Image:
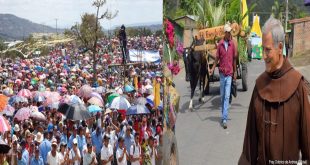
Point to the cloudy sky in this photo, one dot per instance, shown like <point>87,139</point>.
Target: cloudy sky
<point>69,11</point>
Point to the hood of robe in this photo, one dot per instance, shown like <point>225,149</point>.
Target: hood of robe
<point>279,85</point>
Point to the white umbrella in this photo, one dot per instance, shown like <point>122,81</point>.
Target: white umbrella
<point>120,103</point>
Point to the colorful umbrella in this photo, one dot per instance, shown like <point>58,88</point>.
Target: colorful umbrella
<point>34,109</point>
<point>39,98</point>
<point>9,110</point>
<point>94,109</point>
<point>141,101</point>
<point>75,99</point>
<point>137,110</point>
<point>33,81</point>
<point>119,90</point>
<point>97,95</point>
<point>23,114</point>
<point>95,101</point>
<point>4,125</point>
<point>54,105</point>
<point>41,88</point>
<point>129,88</point>
<point>74,111</point>
<point>25,93</point>
<point>150,100</point>
<point>3,102</point>
<point>17,99</point>
<point>8,91</point>
<point>100,90</point>
<point>120,103</point>
<point>85,91</point>
<point>38,116</point>
<point>112,96</point>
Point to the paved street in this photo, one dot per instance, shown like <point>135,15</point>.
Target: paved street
<point>200,137</point>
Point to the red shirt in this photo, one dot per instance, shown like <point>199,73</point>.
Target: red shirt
<point>226,57</point>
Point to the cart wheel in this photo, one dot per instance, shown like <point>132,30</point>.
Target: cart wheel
<point>244,77</point>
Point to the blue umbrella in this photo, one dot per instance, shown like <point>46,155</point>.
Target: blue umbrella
<point>39,98</point>
<point>129,88</point>
<point>17,99</point>
<point>137,110</point>
<point>149,101</point>
<point>94,109</point>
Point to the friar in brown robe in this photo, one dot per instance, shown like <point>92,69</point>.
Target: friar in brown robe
<point>278,122</point>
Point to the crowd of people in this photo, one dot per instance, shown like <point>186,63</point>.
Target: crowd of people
<point>34,90</point>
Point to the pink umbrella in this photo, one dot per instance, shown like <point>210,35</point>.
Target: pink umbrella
<point>97,95</point>
<point>85,91</point>
<point>4,124</point>
<point>9,110</point>
<point>51,97</point>
<point>38,116</point>
<point>25,93</point>
<point>18,81</point>
<point>23,114</point>
<point>34,109</point>
<point>95,101</point>
<point>47,94</point>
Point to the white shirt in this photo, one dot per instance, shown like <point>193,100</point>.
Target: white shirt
<point>51,160</point>
<point>106,152</point>
<point>72,155</point>
<point>61,157</point>
<point>113,137</point>
<point>135,151</point>
<point>119,153</point>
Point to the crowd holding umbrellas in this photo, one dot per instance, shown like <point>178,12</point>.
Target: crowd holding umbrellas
<point>56,100</point>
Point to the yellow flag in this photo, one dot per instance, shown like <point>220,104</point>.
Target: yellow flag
<point>157,94</point>
<point>154,89</point>
<point>256,27</point>
<point>245,21</point>
<point>135,81</point>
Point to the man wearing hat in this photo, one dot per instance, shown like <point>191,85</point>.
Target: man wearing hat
<point>16,132</point>
<point>106,151</point>
<point>226,56</point>
<point>74,153</point>
<point>53,156</point>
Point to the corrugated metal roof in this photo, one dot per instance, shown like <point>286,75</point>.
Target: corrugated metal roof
<point>305,19</point>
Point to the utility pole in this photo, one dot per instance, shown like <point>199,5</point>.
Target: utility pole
<point>225,10</point>
<point>286,16</point>
<point>56,26</point>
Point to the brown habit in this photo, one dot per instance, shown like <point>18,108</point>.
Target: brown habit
<point>278,122</point>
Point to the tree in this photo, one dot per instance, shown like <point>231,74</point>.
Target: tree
<point>209,14</point>
<point>189,6</point>
<point>68,33</point>
<point>277,9</point>
<point>158,33</point>
<point>89,31</point>
<point>3,46</point>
